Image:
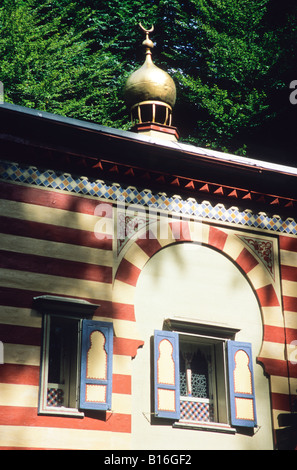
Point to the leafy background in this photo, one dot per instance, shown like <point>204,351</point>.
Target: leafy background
<point>232,62</point>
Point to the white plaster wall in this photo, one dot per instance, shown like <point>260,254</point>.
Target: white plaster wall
<point>195,282</point>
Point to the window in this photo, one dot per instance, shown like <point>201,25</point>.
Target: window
<point>202,377</point>
<point>200,380</point>
<point>61,362</point>
<point>76,365</point>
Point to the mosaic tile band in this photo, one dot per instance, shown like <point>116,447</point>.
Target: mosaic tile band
<point>130,195</point>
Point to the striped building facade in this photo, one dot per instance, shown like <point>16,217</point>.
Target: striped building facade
<point>48,246</point>
<point>90,237</point>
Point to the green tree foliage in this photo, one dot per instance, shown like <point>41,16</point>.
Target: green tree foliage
<point>47,61</point>
<point>220,56</point>
<point>231,61</point>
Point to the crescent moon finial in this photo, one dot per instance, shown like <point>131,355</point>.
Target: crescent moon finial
<point>148,43</point>
<point>146,31</point>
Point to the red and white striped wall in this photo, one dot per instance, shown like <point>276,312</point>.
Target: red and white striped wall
<point>48,246</point>
<point>277,296</point>
<point>288,265</point>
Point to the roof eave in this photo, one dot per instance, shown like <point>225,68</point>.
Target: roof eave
<point>84,139</point>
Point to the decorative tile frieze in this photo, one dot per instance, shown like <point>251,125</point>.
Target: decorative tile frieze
<point>14,172</point>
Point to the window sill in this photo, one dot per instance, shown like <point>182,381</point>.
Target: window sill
<point>205,426</point>
<point>61,411</point>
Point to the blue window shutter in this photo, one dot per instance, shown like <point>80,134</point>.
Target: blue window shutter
<point>96,365</point>
<point>166,375</point>
<point>241,384</point>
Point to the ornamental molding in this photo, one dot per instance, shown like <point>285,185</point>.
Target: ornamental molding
<point>263,248</point>
<point>180,206</point>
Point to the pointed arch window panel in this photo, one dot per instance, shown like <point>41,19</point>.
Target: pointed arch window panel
<point>96,365</point>
<point>191,373</point>
<point>241,384</point>
<point>166,374</point>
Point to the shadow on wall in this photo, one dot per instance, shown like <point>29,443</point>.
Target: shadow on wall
<point>286,436</point>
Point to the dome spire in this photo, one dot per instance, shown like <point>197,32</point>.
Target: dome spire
<point>150,94</point>
<point>148,43</point>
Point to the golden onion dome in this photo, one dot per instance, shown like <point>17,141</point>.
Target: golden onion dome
<point>149,82</point>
